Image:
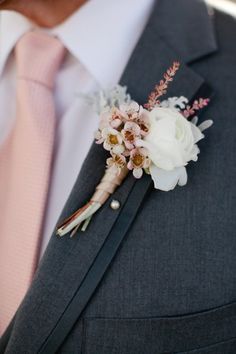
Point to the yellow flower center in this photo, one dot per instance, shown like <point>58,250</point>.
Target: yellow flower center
<point>138,160</point>
<point>144,127</point>
<point>118,161</point>
<point>115,116</point>
<point>113,140</point>
<point>129,136</point>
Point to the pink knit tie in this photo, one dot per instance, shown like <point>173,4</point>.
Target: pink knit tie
<point>25,162</point>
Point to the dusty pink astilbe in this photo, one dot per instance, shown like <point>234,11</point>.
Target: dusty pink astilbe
<point>161,88</point>
<point>197,105</point>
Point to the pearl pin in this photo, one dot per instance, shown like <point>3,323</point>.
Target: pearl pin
<point>115,204</point>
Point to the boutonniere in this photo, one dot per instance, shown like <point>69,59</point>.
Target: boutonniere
<point>159,138</point>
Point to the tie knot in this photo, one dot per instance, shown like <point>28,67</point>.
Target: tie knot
<point>38,57</point>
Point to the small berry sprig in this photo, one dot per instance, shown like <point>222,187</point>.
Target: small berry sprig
<point>161,88</point>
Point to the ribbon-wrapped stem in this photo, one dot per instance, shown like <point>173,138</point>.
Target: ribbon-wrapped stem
<point>108,184</point>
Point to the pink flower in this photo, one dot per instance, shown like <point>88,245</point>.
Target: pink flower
<point>130,111</point>
<point>130,134</point>
<point>117,162</point>
<point>116,118</point>
<point>112,140</point>
<point>138,160</point>
<point>134,113</point>
<point>112,118</point>
<point>144,122</point>
<point>98,137</point>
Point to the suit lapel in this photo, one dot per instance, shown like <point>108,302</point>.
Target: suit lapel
<point>66,261</point>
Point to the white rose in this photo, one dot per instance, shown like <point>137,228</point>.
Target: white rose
<point>171,144</point>
<point>172,139</point>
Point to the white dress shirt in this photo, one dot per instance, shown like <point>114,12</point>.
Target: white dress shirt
<point>100,38</point>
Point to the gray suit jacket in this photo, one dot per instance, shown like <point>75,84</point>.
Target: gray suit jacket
<point>171,287</point>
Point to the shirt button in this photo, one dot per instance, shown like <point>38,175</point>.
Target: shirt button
<point>115,204</point>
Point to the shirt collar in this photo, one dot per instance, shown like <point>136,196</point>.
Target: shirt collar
<point>101,35</point>
<point>12,27</point>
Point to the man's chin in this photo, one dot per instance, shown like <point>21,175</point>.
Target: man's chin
<point>3,2</point>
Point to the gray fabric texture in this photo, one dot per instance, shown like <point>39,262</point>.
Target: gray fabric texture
<point>172,285</point>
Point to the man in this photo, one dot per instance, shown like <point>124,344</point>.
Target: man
<point>169,286</point>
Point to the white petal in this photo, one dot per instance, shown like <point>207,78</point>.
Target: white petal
<point>118,149</point>
<point>167,180</point>
<point>205,125</point>
<point>137,172</point>
<point>141,143</point>
<point>195,120</point>
<point>197,134</point>
<point>134,106</point>
<point>106,146</point>
<point>183,177</point>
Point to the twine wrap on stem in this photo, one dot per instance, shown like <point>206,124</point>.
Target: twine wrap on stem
<point>104,189</point>
<point>108,184</point>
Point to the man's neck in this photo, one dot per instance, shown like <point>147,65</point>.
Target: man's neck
<point>47,13</point>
